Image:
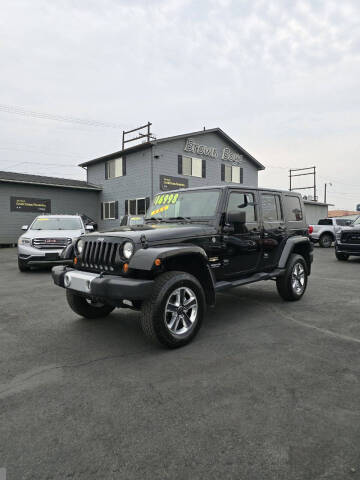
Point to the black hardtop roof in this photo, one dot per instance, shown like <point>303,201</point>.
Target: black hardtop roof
<point>238,187</point>
<point>145,145</point>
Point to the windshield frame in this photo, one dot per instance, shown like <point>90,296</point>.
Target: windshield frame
<point>356,221</point>
<point>207,219</point>
<point>81,223</point>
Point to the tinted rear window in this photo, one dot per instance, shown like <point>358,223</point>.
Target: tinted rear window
<point>325,221</point>
<point>294,212</point>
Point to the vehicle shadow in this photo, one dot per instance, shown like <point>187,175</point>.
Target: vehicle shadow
<point>121,331</point>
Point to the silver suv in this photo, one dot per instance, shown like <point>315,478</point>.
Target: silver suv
<point>47,236</point>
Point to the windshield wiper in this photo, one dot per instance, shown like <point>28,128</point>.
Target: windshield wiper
<point>183,219</point>
<point>158,220</point>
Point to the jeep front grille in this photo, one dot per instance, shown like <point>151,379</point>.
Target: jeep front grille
<point>350,237</point>
<point>51,243</point>
<point>100,255</point>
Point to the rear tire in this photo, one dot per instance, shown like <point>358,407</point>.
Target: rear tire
<point>86,308</point>
<point>326,240</point>
<point>342,256</point>
<point>292,284</point>
<point>22,266</point>
<point>173,314</point>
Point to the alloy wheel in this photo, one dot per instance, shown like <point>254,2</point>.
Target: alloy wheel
<point>298,278</point>
<point>181,311</point>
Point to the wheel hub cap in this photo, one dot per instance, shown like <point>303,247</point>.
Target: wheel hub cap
<point>181,311</point>
<point>298,278</point>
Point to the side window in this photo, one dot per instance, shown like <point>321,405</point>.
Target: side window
<point>242,201</point>
<point>271,207</point>
<point>341,221</point>
<point>294,212</point>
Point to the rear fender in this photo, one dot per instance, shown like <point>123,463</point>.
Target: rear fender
<point>300,245</point>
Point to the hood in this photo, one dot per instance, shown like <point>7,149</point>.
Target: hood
<point>155,232</point>
<point>52,233</point>
<point>350,228</point>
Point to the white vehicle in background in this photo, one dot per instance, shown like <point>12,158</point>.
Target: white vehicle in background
<point>324,232</point>
<point>47,236</point>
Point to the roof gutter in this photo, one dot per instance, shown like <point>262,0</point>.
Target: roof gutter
<point>5,180</point>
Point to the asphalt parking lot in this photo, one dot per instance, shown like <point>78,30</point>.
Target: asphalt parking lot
<point>268,390</point>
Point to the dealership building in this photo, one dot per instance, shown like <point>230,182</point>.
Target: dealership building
<point>123,182</point>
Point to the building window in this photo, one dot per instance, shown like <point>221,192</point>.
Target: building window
<point>192,167</point>
<point>109,210</point>
<point>232,174</point>
<point>115,168</point>
<point>138,206</point>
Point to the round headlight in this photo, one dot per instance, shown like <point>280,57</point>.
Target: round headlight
<point>128,249</point>
<point>80,246</point>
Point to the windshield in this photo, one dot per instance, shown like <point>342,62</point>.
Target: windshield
<point>200,204</point>
<point>56,223</point>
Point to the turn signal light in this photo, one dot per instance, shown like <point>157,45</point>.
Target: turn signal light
<point>75,260</point>
<point>157,262</point>
<point>125,267</point>
<point>310,229</point>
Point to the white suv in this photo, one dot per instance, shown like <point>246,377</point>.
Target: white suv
<point>47,236</point>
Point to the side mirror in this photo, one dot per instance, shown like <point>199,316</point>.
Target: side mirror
<point>25,227</point>
<point>348,223</point>
<point>89,228</point>
<point>236,217</point>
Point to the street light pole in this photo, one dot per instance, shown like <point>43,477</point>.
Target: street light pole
<point>325,191</point>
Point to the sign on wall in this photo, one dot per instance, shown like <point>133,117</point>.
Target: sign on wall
<point>172,183</point>
<point>226,153</point>
<point>26,204</point>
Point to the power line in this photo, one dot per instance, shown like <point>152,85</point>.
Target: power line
<point>12,109</point>
<point>41,152</point>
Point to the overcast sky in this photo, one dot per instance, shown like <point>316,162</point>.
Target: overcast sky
<point>280,77</point>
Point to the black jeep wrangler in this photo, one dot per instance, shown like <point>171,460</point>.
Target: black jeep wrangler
<point>193,244</point>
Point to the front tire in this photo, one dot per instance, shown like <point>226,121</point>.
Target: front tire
<point>292,284</point>
<point>326,240</point>
<point>87,308</point>
<point>173,314</point>
<point>342,256</point>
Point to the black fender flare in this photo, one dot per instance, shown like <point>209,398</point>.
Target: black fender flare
<point>144,258</point>
<point>290,246</point>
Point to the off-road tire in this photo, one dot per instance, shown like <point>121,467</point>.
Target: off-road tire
<point>342,256</point>
<point>84,308</point>
<point>284,283</point>
<point>153,310</point>
<point>22,266</point>
<point>326,240</point>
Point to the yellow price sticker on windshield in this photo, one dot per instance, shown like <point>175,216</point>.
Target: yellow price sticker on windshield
<point>42,219</point>
<point>159,210</point>
<point>166,199</point>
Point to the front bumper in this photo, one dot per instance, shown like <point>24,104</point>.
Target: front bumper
<point>110,288</point>
<point>35,256</point>
<point>348,249</point>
